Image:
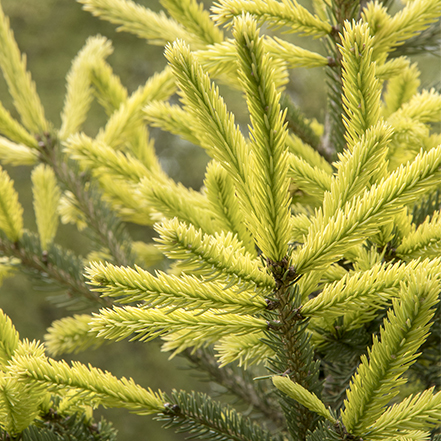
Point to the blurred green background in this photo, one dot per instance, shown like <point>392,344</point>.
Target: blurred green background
<point>51,32</point>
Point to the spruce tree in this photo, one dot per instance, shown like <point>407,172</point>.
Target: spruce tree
<point>304,277</point>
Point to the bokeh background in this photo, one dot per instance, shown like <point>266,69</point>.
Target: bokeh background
<point>51,32</point>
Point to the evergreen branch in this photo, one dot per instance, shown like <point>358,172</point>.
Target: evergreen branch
<point>401,89</point>
<point>424,242</point>
<point>417,412</point>
<point>203,418</point>
<point>392,68</point>
<point>171,118</point>
<point>293,356</point>
<point>358,290</point>
<point>94,385</point>
<point>46,199</point>
<point>361,89</point>
<point>16,154</point>
<point>107,86</point>
<point>221,194</point>
<point>8,339</point>
<point>220,58</point>
<point>362,215</point>
<point>11,211</point>
<point>214,125</point>
<point>221,255</point>
<point>293,55</point>
<point>358,168</point>
<point>414,18</point>
<point>166,290</point>
<point>424,107</point>
<point>303,396</point>
<point>171,200</point>
<point>195,19</point>
<point>106,227</point>
<point>131,17</point>
<point>19,81</point>
<point>287,13</point>
<point>129,115</point>
<point>270,218</point>
<point>403,333</point>
<point>246,349</point>
<point>14,130</point>
<point>58,265</point>
<point>20,403</point>
<point>79,93</point>
<point>71,335</point>
<point>101,159</point>
<point>238,382</point>
<point>181,329</point>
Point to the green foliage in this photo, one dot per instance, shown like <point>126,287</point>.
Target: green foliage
<point>304,276</point>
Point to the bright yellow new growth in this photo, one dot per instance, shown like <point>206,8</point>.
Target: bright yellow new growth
<point>424,242</point>
<point>303,396</point>
<point>219,254</point>
<point>11,212</point>
<point>46,200</point>
<point>21,87</point>
<point>285,13</point>
<point>363,215</point>
<point>421,411</point>
<point>131,17</point>
<point>195,19</point>
<point>246,349</point>
<point>129,115</point>
<point>188,328</point>
<point>8,339</point>
<point>381,373</point>
<point>221,194</point>
<point>108,88</point>
<point>171,118</point>
<point>16,154</point>
<point>13,130</point>
<point>361,89</point>
<point>213,124</point>
<point>414,18</point>
<point>79,92</point>
<point>358,290</point>
<point>137,285</point>
<point>95,386</point>
<point>270,218</point>
<point>401,88</point>
<point>71,335</point>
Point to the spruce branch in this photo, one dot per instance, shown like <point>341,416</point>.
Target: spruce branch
<point>54,264</point>
<point>128,285</point>
<point>107,228</point>
<point>270,217</point>
<point>198,414</point>
<point>20,85</point>
<point>131,17</point>
<point>195,19</point>
<point>79,93</point>
<point>287,13</point>
<point>95,386</point>
<point>220,256</point>
<point>403,333</point>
